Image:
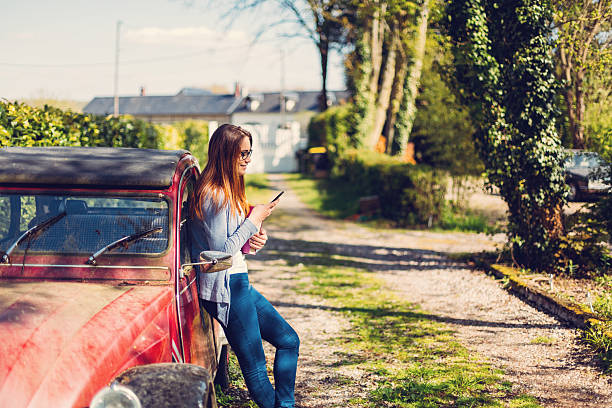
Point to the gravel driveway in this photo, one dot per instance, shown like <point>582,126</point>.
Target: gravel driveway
<point>539,355</point>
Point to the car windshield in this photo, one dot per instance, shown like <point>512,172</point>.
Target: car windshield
<point>90,223</point>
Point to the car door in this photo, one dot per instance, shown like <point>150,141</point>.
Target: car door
<point>197,332</point>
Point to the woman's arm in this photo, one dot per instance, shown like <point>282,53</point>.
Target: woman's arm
<point>216,224</point>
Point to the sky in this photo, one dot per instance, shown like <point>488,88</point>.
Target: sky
<point>65,49</point>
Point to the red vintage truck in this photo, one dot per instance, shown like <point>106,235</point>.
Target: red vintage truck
<point>98,292</point>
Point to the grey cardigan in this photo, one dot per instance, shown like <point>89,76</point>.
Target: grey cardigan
<point>218,231</point>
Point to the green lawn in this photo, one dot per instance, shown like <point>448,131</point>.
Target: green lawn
<point>339,200</point>
<point>332,199</point>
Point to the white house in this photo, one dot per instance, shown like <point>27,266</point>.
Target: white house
<point>279,130</point>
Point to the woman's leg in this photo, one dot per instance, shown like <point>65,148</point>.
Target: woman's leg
<point>252,318</point>
<point>276,331</point>
<point>243,335</point>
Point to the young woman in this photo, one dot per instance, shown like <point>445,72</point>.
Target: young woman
<point>220,223</point>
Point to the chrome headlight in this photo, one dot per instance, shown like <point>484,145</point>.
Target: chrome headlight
<point>115,396</point>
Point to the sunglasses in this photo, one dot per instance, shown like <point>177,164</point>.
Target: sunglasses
<point>245,154</point>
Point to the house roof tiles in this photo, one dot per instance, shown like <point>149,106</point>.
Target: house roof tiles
<point>164,105</point>
<point>208,104</point>
<point>306,101</point>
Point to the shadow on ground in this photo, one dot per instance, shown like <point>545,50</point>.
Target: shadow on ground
<point>419,316</point>
<point>368,257</point>
<point>373,258</point>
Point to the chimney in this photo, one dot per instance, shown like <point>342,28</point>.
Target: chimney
<point>142,91</point>
<point>237,90</point>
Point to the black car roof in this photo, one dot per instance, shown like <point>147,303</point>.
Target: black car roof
<point>88,166</point>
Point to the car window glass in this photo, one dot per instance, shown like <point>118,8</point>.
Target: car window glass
<point>5,216</point>
<point>90,223</point>
<point>28,211</point>
<point>595,161</point>
<point>585,160</point>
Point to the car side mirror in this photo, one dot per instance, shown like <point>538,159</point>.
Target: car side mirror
<point>210,262</point>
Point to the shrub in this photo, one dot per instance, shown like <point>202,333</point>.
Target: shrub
<point>443,129</point>
<point>409,194</point>
<point>191,135</point>
<point>582,251</point>
<point>194,137</point>
<point>23,125</point>
<point>330,129</point>
<point>602,209</point>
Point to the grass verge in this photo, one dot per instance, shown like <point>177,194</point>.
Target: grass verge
<point>236,396</point>
<point>413,360</point>
<point>329,198</point>
<point>467,220</point>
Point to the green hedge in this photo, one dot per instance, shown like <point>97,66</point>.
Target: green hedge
<point>409,194</point>
<point>189,134</point>
<point>330,129</point>
<point>23,125</point>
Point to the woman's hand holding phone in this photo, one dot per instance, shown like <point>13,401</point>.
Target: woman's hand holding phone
<point>257,215</point>
<point>260,212</point>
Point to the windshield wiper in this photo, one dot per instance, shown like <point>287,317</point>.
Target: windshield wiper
<point>125,242</point>
<point>32,232</point>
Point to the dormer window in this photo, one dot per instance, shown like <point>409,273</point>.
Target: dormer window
<point>253,105</point>
<point>254,101</point>
<point>291,99</point>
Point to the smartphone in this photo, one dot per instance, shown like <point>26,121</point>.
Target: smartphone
<point>277,197</point>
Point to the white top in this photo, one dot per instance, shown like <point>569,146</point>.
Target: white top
<point>239,264</point>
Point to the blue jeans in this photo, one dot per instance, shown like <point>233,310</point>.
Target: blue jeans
<point>251,319</point>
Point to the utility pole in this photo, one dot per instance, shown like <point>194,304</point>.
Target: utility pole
<point>282,86</point>
<point>116,86</point>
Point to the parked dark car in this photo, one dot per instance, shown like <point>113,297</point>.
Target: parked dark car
<point>586,174</point>
<point>96,282</point>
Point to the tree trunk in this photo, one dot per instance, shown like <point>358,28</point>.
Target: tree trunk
<point>376,36</point>
<point>569,94</point>
<point>571,113</point>
<point>376,47</point>
<point>382,102</point>
<point>397,94</point>
<point>414,77</point>
<point>324,52</point>
<point>578,135</point>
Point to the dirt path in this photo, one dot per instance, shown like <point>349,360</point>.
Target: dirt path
<point>540,356</point>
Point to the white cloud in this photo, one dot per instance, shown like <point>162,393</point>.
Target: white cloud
<point>186,36</point>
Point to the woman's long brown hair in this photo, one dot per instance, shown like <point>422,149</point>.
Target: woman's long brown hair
<point>220,178</point>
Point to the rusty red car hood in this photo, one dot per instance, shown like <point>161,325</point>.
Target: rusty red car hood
<point>60,342</point>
